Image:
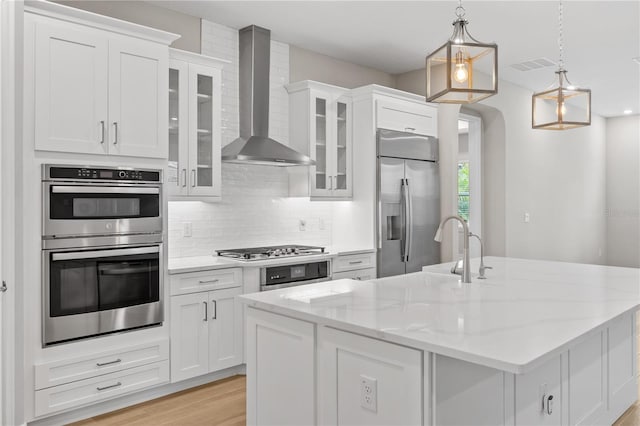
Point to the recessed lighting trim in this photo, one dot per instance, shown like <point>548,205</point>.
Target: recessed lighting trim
<point>627,111</point>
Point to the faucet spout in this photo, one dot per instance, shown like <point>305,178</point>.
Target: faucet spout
<point>466,267</point>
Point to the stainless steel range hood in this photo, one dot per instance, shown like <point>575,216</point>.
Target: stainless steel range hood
<point>254,146</point>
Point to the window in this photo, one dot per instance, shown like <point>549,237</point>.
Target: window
<point>463,190</point>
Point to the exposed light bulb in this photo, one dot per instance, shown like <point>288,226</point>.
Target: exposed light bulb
<point>461,71</point>
<point>561,108</point>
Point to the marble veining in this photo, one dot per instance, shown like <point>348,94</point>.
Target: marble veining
<point>523,313</point>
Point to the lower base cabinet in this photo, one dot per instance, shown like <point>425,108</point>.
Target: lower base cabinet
<point>336,377</point>
<point>206,333</point>
<point>88,391</point>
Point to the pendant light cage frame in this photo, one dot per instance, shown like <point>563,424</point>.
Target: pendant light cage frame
<point>462,51</point>
<point>562,106</point>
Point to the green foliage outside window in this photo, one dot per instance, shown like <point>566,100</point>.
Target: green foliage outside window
<point>463,190</point>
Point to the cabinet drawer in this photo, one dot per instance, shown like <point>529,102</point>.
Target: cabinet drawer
<point>360,274</point>
<point>407,117</point>
<point>93,390</point>
<point>194,282</point>
<point>71,370</point>
<point>354,261</point>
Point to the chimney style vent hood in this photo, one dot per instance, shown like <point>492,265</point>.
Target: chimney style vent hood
<point>254,146</point>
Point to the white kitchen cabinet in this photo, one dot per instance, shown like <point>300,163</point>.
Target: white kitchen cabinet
<point>538,395</point>
<point>284,348</point>
<point>206,333</point>
<point>195,86</point>
<point>189,336</point>
<point>321,127</point>
<point>345,360</point>
<point>71,88</point>
<point>405,116</point>
<point>96,91</point>
<point>137,101</point>
<point>359,274</point>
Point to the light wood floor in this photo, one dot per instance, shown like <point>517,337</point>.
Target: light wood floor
<point>222,404</point>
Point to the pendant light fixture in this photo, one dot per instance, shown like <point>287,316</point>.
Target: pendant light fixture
<point>562,106</point>
<point>453,70</point>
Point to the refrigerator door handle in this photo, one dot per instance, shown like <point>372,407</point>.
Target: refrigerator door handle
<point>409,221</point>
<point>403,206</point>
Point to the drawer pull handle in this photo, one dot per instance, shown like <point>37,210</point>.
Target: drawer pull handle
<point>109,387</point>
<point>215,280</point>
<point>355,262</point>
<point>102,364</point>
<point>215,309</point>
<point>410,129</point>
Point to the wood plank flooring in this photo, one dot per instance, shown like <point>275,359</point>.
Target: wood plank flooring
<point>221,403</point>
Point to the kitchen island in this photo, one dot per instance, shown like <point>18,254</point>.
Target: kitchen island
<point>537,343</point>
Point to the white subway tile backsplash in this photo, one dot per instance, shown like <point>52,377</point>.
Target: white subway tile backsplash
<point>255,208</point>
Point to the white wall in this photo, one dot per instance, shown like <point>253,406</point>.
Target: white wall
<point>308,65</point>
<point>623,191</point>
<point>557,177</point>
<point>255,208</point>
<point>149,15</point>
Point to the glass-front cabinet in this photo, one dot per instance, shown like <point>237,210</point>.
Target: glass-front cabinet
<point>195,85</point>
<point>320,123</point>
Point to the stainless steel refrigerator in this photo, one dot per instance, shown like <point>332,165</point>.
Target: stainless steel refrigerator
<point>408,202</point>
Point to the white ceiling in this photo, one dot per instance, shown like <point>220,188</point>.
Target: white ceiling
<point>601,37</point>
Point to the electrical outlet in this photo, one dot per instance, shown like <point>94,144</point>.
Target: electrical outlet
<point>187,229</point>
<point>527,217</point>
<point>302,225</point>
<point>369,393</point>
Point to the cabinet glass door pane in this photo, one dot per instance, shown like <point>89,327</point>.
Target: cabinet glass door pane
<point>174,124</point>
<point>321,143</point>
<point>341,145</point>
<point>204,156</point>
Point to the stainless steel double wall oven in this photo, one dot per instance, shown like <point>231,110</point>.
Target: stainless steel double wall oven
<point>102,257</point>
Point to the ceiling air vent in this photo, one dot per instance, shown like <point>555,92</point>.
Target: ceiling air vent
<point>533,64</point>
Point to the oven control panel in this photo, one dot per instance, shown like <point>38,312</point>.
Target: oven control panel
<point>284,274</point>
<point>95,173</point>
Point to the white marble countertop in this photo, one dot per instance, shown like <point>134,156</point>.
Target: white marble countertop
<point>524,313</point>
<point>180,265</point>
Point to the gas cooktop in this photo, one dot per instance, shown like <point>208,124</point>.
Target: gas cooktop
<point>271,252</point>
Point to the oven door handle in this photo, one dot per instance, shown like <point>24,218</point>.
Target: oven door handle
<point>79,189</point>
<point>126,271</point>
<point>75,255</point>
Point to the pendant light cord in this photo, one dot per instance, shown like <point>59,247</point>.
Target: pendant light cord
<point>560,37</point>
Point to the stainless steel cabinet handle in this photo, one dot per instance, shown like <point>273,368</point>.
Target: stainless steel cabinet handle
<point>215,309</point>
<point>184,177</point>
<point>109,387</point>
<point>115,134</point>
<point>403,206</point>
<point>4,287</point>
<point>102,364</point>
<point>355,262</point>
<point>206,311</point>
<point>193,178</point>
<point>215,280</point>
<point>102,124</point>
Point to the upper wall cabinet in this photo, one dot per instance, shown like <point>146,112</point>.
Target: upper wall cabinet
<point>195,85</point>
<point>321,127</point>
<point>97,84</point>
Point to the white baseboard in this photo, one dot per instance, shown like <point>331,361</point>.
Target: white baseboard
<point>135,398</point>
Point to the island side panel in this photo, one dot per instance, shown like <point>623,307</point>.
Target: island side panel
<point>368,382</point>
<point>622,365</point>
<point>281,367</point>
<point>464,393</point>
